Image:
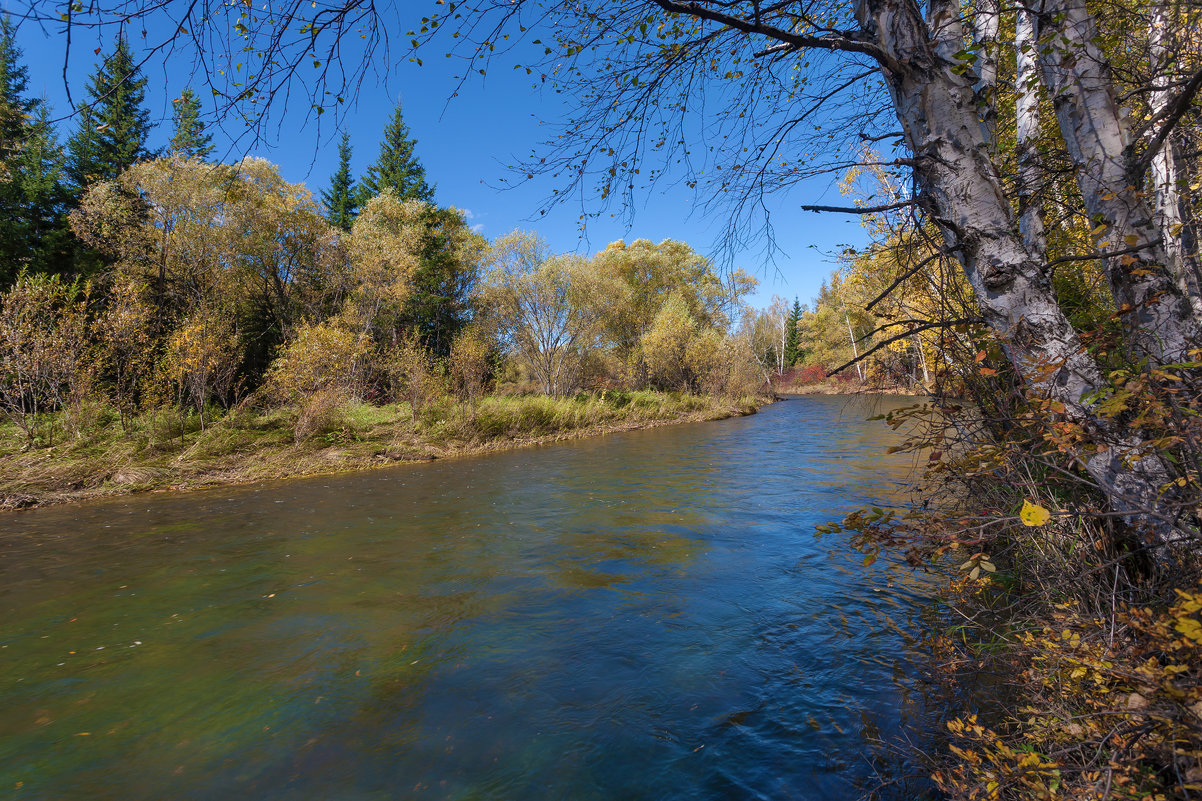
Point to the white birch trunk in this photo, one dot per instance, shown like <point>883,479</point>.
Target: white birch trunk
<point>1030,211</point>
<point>854,350</point>
<point>1169,218</point>
<point>922,359</point>
<point>963,193</point>
<point>987,22</point>
<point>1157,316</point>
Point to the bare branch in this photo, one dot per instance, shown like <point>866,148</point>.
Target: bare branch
<point>1173,114</point>
<point>898,281</point>
<point>861,210</point>
<point>909,332</point>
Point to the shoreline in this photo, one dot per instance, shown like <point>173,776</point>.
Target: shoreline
<point>836,389</point>
<point>301,460</point>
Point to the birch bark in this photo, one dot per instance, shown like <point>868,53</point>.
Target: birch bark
<point>987,23</point>
<point>961,189</point>
<point>1030,212</point>
<point>1157,316</point>
<point>1169,217</point>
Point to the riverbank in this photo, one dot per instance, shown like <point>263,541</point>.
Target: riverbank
<point>161,451</point>
<point>835,387</point>
<point>1089,641</point>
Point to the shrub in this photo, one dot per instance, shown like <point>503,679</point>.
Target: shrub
<point>411,372</point>
<point>44,361</point>
<point>325,356</point>
<point>320,413</point>
<point>469,365</point>
<point>202,360</point>
<point>811,374</point>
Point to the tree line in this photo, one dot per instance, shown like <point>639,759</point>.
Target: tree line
<point>163,279</point>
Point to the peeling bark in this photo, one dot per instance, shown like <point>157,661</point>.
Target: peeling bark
<point>1030,212</point>
<point>1169,217</point>
<point>962,191</point>
<point>986,23</point>
<point>1158,318</point>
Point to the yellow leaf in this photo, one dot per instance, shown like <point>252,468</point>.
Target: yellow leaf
<point>1033,514</point>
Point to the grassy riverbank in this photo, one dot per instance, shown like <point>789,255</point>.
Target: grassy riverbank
<point>164,451</point>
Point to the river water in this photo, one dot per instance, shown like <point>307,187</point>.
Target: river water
<point>646,615</point>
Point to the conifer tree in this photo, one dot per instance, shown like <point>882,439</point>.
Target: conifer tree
<point>189,139</point>
<point>791,336</point>
<point>16,109</point>
<point>341,199</point>
<point>397,168</point>
<point>33,230</point>
<point>42,238</point>
<point>113,125</point>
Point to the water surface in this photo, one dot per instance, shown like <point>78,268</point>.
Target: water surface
<point>641,616</point>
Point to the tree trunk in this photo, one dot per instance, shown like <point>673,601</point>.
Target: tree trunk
<point>1030,209</point>
<point>986,23</point>
<point>1157,317</point>
<point>1169,217</point>
<point>854,350</point>
<point>963,193</point>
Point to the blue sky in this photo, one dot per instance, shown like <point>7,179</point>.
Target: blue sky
<point>466,143</point>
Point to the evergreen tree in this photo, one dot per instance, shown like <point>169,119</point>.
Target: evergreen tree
<point>113,127</point>
<point>397,168</point>
<point>43,232</point>
<point>791,336</point>
<point>189,139</point>
<point>33,229</point>
<point>341,199</point>
<point>16,109</point>
<point>440,304</point>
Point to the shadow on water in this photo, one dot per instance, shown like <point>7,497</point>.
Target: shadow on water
<point>641,616</point>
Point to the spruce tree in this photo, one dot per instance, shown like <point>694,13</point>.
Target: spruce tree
<point>16,109</point>
<point>33,227</point>
<point>341,199</point>
<point>791,336</point>
<point>113,126</point>
<point>397,168</point>
<point>189,139</point>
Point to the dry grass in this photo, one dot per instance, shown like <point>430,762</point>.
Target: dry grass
<point>164,451</point>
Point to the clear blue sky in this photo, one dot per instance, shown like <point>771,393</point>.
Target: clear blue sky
<point>466,144</point>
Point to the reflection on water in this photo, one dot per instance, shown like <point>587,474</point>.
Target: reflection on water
<point>641,616</point>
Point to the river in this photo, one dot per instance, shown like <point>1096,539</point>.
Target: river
<point>646,615</point>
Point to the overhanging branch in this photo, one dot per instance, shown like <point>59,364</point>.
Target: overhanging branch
<point>861,209</point>
<point>841,41</point>
<point>1172,115</point>
<point>897,282</point>
<point>907,333</point>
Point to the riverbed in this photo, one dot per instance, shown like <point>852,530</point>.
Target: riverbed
<point>646,615</point>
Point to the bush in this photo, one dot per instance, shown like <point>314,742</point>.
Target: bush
<point>202,360</point>
<point>469,365</point>
<point>44,351</point>
<point>811,374</point>
<point>323,357</point>
<point>411,372</point>
<point>321,413</point>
